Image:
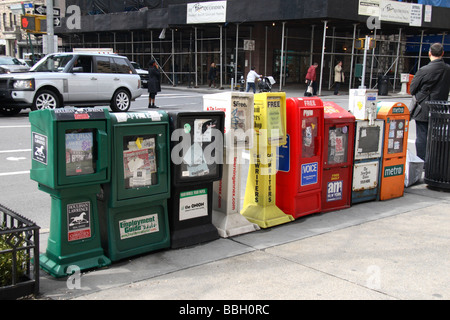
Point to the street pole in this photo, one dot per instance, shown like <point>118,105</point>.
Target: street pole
<point>50,27</point>
<point>366,48</point>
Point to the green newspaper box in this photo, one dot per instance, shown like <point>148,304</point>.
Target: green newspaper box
<point>70,161</point>
<point>134,218</point>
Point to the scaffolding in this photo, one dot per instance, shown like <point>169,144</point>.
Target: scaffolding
<point>284,49</point>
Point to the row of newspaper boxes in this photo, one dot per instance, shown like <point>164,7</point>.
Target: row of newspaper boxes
<point>123,184</point>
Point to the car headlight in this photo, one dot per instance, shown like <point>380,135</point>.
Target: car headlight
<point>23,84</point>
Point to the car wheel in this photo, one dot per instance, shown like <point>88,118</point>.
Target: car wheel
<point>45,99</point>
<point>121,101</point>
<point>9,111</point>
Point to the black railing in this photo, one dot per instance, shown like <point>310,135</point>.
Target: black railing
<point>19,256</point>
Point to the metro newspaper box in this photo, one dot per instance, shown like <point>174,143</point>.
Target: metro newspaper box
<point>196,162</point>
<point>369,137</point>
<point>260,205</point>
<point>337,157</point>
<point>396,117</point>
<point>70,160</point>
<point>299,179</point>
<point>239,135</point>
<point>134,211</point>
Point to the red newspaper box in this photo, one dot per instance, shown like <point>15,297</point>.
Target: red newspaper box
<point>299,177</point>
<point>338,148</point>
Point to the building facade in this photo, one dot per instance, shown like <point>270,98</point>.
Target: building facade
<point>14,41</point>
<point>280,38</point>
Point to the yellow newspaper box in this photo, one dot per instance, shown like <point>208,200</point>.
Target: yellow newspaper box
<point>260,193</point>
<point>396,119</point>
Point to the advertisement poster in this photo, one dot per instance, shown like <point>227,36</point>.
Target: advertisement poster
<point>40,148</point>
<point>138,226</point>
<point>309,173</point>
<point>395,137</point>
<point>139,161</point>
<point>79,153</point>
<point>193,204</point>
<point>275,125</point>
<point>79,221</point>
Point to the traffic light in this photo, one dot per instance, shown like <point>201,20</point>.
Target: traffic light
<point>360,44</point>
<point>28,22</point>
<point>32,22</point>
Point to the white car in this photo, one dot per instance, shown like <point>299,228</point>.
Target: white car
<point>142,73</point>
<point>72,79</point>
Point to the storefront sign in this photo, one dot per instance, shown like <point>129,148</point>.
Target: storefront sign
<point>393,11</point>
<point>206,12</point>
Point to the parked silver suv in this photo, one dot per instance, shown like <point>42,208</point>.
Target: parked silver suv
<point>72,79</point>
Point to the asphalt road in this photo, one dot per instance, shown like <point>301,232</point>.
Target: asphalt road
<point>18,192</point>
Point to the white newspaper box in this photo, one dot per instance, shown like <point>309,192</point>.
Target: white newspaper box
<point>239,121</point>
<point>363,104</point>
<point>239,135</point>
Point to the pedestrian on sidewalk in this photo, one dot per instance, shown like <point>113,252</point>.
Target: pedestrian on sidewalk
<point>154,83</point>
<point>252,76</point>
<point>338,77</point>
<point>431,83</point>
<point>212,75</point>
<point>311,80</point>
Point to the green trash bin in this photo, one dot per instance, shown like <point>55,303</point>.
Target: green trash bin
<point>70,161</point>
<point>134,218</point>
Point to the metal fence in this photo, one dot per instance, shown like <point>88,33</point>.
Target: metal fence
<point>19,255</point>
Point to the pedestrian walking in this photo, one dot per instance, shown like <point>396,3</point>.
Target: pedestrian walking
<point>212,75</point>
<point>311,80</point>
<point>338,78</point>
<point>154,83</point>
<point>252,76</point>
<point>431,83</point>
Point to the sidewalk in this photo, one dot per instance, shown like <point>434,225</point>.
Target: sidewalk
<point>380,250</point>
<point>394,249</point>
<point>291,91</point>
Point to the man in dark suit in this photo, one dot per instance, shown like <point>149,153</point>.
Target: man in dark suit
<point>431,83</point>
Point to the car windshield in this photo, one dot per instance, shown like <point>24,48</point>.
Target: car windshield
<point>53,63</point>
<point>9,61</point>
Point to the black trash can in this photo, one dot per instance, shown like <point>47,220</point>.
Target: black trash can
<point>383,83</point>
<point>437,164</point>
